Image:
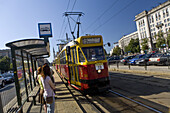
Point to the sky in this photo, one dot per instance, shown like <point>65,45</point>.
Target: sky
<point>110,18</point>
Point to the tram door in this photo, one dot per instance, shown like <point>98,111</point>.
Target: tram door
<point>74,66</point>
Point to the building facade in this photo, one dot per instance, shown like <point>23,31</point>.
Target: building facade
<point>124,41</point>
<point>5,52</point>
<point>149,23</point>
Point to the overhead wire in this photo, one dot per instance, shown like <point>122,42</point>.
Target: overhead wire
<point>70,17</point>
<point>73,5</point>
<point>113,16</point>
<point>114,3</point>
<point>64,20</point>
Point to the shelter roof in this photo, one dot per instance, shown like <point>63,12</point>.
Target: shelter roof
<point>35,47</point>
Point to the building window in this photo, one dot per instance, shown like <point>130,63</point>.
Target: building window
<point>159,15</point>
<point>168,24</point>
<point>165,25</point>
<point>163,13</point>
<point>167,12</point>
<point>156,17</point>
<point>166,29</point>
<point>152,19</point>
<point>165,20</point>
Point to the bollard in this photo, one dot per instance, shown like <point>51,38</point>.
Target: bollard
<point>1,110</point>
<point>145,65</point>
<point>117,64</point>
<point>168,61</point>
<point>129,66</point>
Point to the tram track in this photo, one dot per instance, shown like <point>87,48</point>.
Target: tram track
<point>137,102</point>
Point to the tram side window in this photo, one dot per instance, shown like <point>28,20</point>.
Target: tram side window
<point>81,57</point>
<point>62,58</point>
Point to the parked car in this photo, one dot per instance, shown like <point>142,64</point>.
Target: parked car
<point>159,59</point>
<point>133,60</point>
<point>126,59</point>
<point>2,81</point>
<point>144,59</point>
<point>9,78</point>
<point>113,60</point>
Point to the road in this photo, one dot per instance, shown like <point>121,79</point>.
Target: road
<point>149,87</point>
<point>7,93</point>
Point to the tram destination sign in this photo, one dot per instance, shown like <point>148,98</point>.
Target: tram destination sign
<point>91,40</point>
<point>45,30</point>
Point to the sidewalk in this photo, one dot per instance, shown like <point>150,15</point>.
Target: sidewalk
<point>64,102</point>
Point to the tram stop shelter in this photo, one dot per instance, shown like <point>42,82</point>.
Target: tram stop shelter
<point>25,54</point>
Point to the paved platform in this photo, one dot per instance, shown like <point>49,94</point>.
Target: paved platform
<point>64,102</point>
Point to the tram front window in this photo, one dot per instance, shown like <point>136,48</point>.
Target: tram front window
<point>94,53</point>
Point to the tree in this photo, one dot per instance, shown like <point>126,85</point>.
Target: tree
<point>127,49</point>
<point>5,64</point>
<point>145,44</point>
<point>116,51</point>
<point>168,39</point>
<point>160,40</point>
<point>134,46</point>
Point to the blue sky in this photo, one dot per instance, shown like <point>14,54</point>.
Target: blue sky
<point>19,18</point>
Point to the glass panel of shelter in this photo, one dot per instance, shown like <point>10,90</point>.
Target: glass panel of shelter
<point>27,72</point>
<point>20,74</point>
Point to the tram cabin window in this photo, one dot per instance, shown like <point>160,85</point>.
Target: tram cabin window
<point>94,53</point>
<point>81,57</point>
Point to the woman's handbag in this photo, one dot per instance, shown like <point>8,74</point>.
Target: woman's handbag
<point>49,100</point>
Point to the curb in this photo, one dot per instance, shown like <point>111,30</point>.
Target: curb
<point>139,71</point>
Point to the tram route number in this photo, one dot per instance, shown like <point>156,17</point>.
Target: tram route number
<point>99,66</point>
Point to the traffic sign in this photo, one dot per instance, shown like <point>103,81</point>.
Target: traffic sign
<point>45,30</point>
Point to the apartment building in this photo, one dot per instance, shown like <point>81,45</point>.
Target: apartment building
<point>150,22</point>
<point>124,41</point>
<point>5,52</point>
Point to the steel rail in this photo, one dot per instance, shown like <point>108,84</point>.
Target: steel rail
<point>153,109</point>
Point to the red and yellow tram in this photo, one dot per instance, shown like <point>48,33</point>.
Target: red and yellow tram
<point>84,65</point>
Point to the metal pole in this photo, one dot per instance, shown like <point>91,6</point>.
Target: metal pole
<point>145,65</point>
<point>117,64</point>
<point>33,71</point>
<point>129,66</point>
<point>29,71</point>
<point>26,89</point>
<point>17,85</point>
<point>1,110</point>
<point>78,29</point>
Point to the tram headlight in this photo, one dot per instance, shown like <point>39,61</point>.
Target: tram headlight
<point>99,71</point>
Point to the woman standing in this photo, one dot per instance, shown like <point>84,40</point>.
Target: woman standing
<point>48,89</point>
<point>41,99</point>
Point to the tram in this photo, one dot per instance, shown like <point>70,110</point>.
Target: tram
<point>82,63</point>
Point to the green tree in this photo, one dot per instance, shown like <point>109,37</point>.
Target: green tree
<point>160,40</point>
<point>5,64</point>
<point>134,46</point>
<point>145,44</point>
<point>168,39</point>
<point>116,51</point>
<point>127,49</point>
